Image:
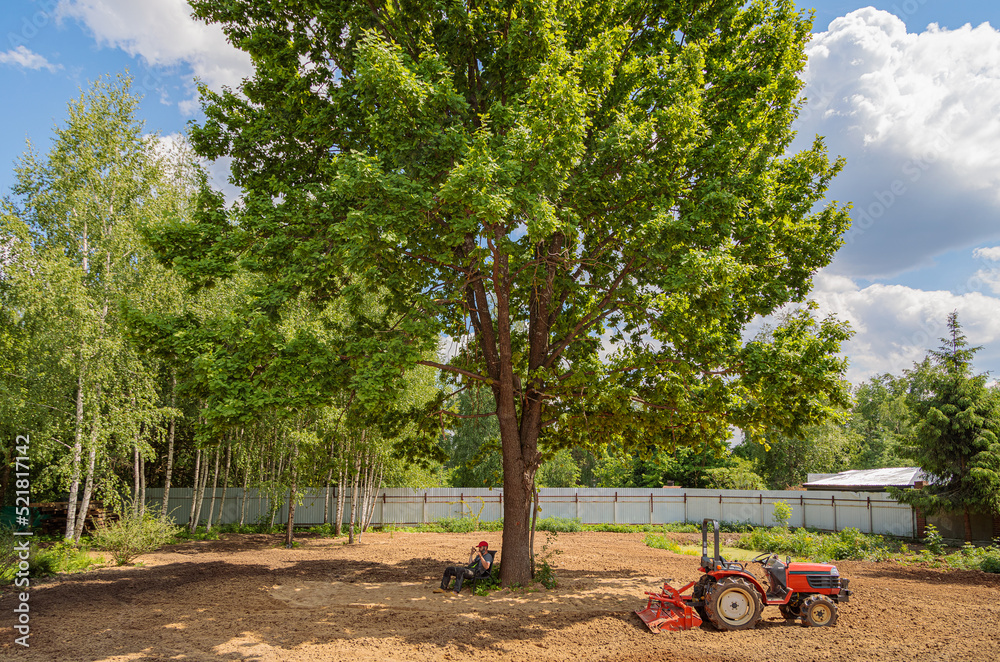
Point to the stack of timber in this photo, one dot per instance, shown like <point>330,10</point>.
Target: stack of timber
<point>52,516</point>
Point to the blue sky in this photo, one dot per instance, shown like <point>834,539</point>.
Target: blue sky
<point>908,91</point>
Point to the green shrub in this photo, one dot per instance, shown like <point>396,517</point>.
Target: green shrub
<point>990,563</point>
<point>132,535</point>
<point>933,541</point>
<point>8,553</point>
<point>782,513</point>
<point>849,544</point>
<point>62,556</point>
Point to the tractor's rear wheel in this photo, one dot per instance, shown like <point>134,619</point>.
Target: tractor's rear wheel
<point>819,611</point>
<point>733,604</point>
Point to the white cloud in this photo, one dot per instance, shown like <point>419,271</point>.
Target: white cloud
<point>915,115</point>
<point>895,325</point>
<point>163,33</point>
<point>22,57</point>
<point>991,253</point>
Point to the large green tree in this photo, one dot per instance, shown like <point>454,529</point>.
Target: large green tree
<point>76,212</point>
<point>955,429</point>
<point>880,418</point>
<point>600,196</point>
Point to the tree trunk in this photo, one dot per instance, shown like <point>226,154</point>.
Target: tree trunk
<point>135,481</point>
<point>225,484</point>
<point>200,490</point>
<point>329,481</point>
<point>170,441</point>
<point>377,486</point>
<point>192,522</point>
<point>354,496</point>
<point>534,521</point>
<point>968,525</point>
<point>215,485</point>
<point>341,486</point>
<point>292,496</point>
<point>246,484</point>
<point>518,406</point>
<point>142,485</point>
<point>88,488</point>
<point>74,484</point>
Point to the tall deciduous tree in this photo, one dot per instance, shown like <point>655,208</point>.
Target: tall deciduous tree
<point>599,195</point>
<point>82,206</point>
<point>956,425</point>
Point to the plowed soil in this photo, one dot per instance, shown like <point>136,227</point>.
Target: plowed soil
<point>248,598</point>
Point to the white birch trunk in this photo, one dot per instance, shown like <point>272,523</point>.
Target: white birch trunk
<point>192,522</point>
<point>170,442</point>
<point>215,484</point>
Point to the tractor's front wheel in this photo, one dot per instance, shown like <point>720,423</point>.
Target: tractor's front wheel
<point>819,611</point>
<point>733,604</point>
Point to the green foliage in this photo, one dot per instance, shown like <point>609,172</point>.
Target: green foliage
<point>543,572</point>
<point>782,512</point>
<point>661,542</point>
<point>933,541</point>
<point>784,461</point>
<point>739,476</point>
<point>559,470</point>
<point>881,419</point>
<point>8,552</point>
<point>849,544</point>
<point>955,421</point>
<point>473,448</point>
<point>485,587</point>
<point>617,172</point>
<point>61,556</point>
<point>132,535</point>
<point>967,557</point>
<point>77,213</point>
<point>558,524</point>
<point>681,527</point>
<point>990,562</point>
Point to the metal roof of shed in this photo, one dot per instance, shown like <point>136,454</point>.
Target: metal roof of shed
<point>868,479</point>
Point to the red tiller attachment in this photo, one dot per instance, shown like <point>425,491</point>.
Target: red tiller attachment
<point>667,610</point>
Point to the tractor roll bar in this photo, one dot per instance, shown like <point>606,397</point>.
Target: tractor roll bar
<point>707,563</point>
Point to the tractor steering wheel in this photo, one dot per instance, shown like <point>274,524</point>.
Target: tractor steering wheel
<point>762,559</point>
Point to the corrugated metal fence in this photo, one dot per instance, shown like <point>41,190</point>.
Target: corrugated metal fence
<point>869,512</point>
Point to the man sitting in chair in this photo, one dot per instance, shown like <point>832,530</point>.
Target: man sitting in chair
<point>479,566</point>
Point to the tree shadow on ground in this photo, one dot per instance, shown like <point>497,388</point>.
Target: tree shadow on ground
<point>138,610</point>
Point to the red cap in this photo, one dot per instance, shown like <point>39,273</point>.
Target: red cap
<point>483,544</point>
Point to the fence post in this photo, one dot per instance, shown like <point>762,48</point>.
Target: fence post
<point>614,510</point>
<point>802,504</point>
<point>871,525</point>
<point>576,498</point>
<point>833,502</point>
<point>650,507</point>
<point>423,510</point>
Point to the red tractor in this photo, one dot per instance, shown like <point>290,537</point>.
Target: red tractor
<point>732,599</point>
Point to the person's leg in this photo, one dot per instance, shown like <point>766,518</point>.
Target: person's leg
<point>449,572</point>
<point>464,573</point>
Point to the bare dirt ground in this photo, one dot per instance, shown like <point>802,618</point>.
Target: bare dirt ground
<point>247,598</point>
